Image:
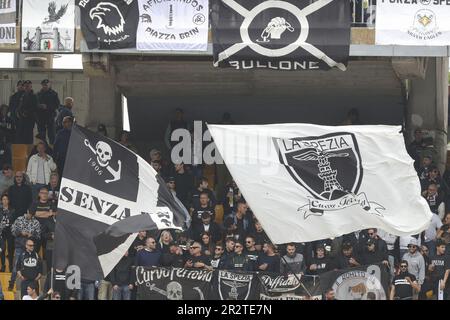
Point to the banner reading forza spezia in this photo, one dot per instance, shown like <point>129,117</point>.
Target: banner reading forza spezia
<point>413,22</point>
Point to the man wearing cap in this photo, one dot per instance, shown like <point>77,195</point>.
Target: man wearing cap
<point>46,112</point>
<point>171,185</point>
<point>416,263</point>
<point>373,256</point>
<point>15,99</point>
<point>26,114</point>
<point>347,259</point>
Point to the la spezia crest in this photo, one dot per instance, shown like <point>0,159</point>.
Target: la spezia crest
<point>329,168</point>
<point>360,285</point>
<point>425,25</point>
<point>285,30</point>
<point>234,286</point>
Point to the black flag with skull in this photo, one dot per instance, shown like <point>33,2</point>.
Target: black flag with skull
<point>107,195</point>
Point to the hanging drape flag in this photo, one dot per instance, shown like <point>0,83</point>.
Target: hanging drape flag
<point>173,284</point>
<point>229,285</point>
<point>109,24</point>
<point>173,25</point>
<point>275,284</point>
<point>48,26</point>
<point>413,23</point>
<point>369,282</point>
<point>307,182</point>
<point>7,21</point>
<point>107,195</point>
<point>281,35</point>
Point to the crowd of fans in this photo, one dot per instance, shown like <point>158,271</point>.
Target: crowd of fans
<point>235,240</point>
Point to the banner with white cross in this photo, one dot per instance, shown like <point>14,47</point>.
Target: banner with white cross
<point>281,35</point>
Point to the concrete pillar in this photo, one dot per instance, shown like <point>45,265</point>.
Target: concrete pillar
<point>34,61</point>
<point>104,106</point>
<point>427,107</point>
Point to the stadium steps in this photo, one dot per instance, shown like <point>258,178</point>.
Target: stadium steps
<point>219,214</point>
<point>20,154</point>
<point>4,279</point>
<point>209,172</point>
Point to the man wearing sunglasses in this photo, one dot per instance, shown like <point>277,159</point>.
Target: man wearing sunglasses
<point>239,260</point>
<point>251,252</point>
<point>196,259</point>
<point>29,267</point>
<point>404,284</point>
<point>217,260</point>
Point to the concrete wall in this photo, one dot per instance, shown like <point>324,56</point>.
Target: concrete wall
<point>67,83</point>
<point>256,97</point>
<point>428,106</point>
<point>104,105</point>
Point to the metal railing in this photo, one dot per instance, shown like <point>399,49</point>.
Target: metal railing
<point>363,13</point>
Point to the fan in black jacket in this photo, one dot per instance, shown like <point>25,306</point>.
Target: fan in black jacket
<point>206,226</point>
<point>122,278</point>
<point>20,195</point>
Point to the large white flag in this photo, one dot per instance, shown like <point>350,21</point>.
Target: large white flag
<point>306,182</point>
<point>421,23</point>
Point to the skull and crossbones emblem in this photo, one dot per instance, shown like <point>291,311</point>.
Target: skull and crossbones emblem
<point>174,291</point>
<point>103,153</point>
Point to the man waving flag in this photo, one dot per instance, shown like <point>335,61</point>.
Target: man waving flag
<point>107,195</point>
